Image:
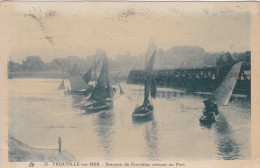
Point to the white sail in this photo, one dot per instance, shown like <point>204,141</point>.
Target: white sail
<point>151,49</point>
<point>62,86</point>
<point>223,93</point>
<point>76,81</point>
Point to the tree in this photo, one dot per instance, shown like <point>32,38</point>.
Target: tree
<point>33,63</point>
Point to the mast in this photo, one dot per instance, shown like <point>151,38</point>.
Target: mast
<point>149,85</point>
<point>94,68</point>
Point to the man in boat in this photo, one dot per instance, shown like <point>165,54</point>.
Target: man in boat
<point>210,111</point>
<point>146,106</point>
<point>114,89</point>
<point>210,106</point>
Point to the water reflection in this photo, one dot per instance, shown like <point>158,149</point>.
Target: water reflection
<point>104,128</point>
<point>140,121</point>
<point>176,117</point>
<point>227,147</point>
<point>151,138</point>
<point>150,133</point>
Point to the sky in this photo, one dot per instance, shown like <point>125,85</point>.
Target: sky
<point>52,30</point>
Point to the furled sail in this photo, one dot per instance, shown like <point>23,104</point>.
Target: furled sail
<point>223,93</point>
<point>149,84</point>
<point>153,88</point>
<point>62,86</point>
<point>76,81</point>
<point>103,88</point>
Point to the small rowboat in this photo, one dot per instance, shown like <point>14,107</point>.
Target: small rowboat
<point>143,112</point>
<point>98,106</point>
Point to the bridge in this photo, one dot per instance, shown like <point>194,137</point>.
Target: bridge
<point>195,79</point>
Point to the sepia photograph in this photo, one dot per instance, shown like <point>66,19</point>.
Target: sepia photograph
<point>146,82</point>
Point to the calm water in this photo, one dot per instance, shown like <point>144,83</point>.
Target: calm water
<point>39,114</point>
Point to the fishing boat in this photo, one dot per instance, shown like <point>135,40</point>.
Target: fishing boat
<point>146,110</point>
<point>77,84</point>
<point>221,95</point>
<point>103,93</point>
<point>62,86</point>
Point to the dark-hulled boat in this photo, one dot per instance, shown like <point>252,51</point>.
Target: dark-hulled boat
<point>103,93</point>
<point>145,111</point>
<point>98,106</point>
<point>221,95</point>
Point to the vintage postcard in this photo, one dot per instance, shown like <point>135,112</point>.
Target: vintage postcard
<point>130,84</point>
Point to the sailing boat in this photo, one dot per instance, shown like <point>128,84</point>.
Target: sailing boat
<point>145,111</point>
<point>62,86</point>
<point>221,95</point>
<point>77,84</point>
<point>101,97</point>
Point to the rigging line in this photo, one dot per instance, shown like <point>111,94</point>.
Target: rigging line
<point>138,96</point>
<point>144,79</point>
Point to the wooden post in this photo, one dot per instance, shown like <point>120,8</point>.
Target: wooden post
<point>59,142</point>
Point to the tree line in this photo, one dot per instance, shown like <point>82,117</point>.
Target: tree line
<point>176,57</point>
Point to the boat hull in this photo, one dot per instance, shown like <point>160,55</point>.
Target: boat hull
<point>207,120</point>
<point>79,92</point>
<point>143,113</point>
<point>210,113</point>
<point>97,106</point>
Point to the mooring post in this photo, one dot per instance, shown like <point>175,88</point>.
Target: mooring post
<point>59,142</point>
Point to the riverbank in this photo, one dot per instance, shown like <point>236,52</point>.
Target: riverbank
<point>20,152</point>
